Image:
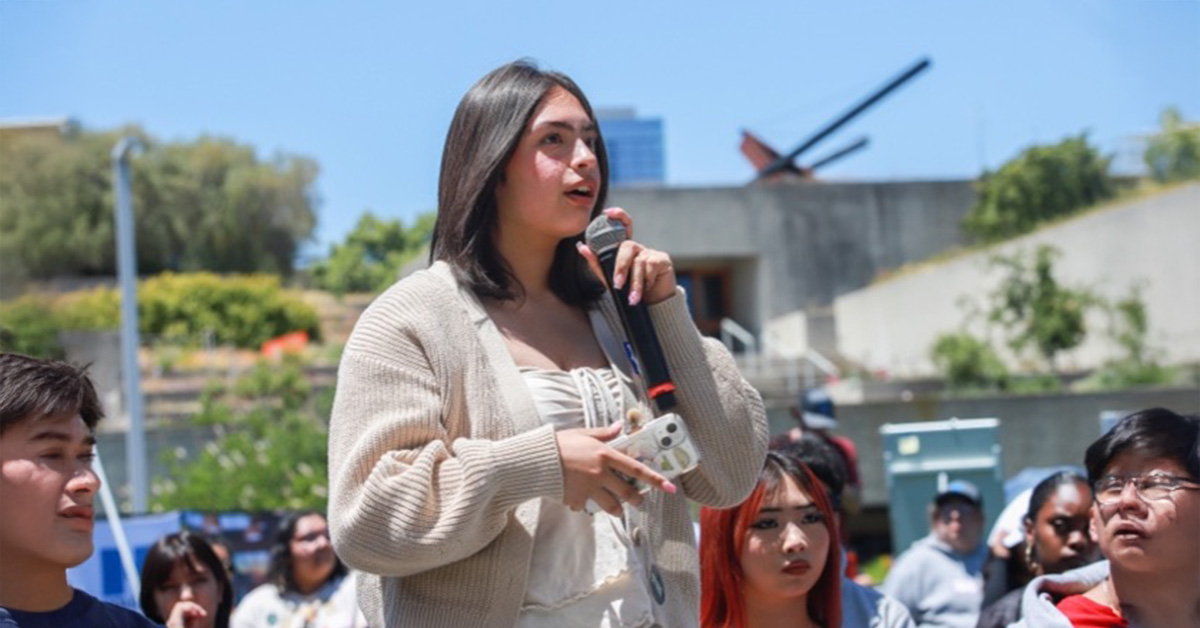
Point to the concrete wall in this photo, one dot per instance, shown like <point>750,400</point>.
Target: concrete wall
<point>805,243</point>
<point>1155,241</point>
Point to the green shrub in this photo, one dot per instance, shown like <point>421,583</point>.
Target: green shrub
<point>244,311</point>
<point>1040,184</point>
<point>269,453</point>
<point>968,363</point>
<point>28,325</point>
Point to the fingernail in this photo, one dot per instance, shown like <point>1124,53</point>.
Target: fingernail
<point>618,281</point>
<point>579,246</point>
<point>634,297</point>
<point>670,488</point>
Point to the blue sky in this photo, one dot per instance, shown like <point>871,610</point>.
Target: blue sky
<point>368,88</point>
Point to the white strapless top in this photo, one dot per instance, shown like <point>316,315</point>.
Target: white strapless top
<point>584,572</point>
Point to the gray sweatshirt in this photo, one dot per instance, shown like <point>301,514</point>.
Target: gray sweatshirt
<point>939,586</point>
<point>1038,608</point>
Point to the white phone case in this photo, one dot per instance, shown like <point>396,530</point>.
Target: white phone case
<point>663,445</point>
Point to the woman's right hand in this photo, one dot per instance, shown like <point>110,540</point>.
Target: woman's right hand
<point>186,614</point>
<point>590,467</point>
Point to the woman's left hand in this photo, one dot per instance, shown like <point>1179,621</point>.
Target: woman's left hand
<point>649,273</point>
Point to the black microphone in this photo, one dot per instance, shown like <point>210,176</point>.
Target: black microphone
<point>604,236</point>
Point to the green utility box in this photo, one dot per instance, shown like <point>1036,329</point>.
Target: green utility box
<point>920,459</point>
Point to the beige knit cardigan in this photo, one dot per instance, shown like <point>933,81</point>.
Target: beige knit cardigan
<point>437,459</point>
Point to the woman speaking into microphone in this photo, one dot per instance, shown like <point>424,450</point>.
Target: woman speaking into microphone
<point>475,398</point>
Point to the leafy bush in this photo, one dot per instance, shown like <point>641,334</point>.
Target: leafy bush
<point>1042,183</point>
<point>968,363</point>
<point>244,311</point>
<point>1174,154</point>
<point>28,325</point>
<point>270,452</point>
<point>1035,309</point>
<point>1138,364</point>
<point>370,258</point>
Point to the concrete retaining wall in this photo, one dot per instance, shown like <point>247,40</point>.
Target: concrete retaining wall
<point>1154,241</point>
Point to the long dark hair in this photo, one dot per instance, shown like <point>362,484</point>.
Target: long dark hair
<point>721,536</point>
<point>182,548</point>
<point>485,131</point>
<point>280,568</point>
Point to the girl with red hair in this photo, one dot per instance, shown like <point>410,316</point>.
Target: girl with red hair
<point>774,559</point>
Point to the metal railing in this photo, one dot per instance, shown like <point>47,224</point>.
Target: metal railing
<point>775,348</point>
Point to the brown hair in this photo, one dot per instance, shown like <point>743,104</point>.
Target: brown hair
<point>485,131</point>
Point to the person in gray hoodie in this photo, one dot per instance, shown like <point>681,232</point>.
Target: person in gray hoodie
<point>1042,593</point>
<point>1145,475</point>
<point>940,577</point>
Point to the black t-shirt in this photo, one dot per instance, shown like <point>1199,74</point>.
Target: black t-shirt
<point>83,611</point>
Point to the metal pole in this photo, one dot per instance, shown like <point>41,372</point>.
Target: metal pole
<point>135,438</point>
<point>118,530</point>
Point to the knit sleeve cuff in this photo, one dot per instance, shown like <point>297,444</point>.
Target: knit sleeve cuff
<point>527,466</point>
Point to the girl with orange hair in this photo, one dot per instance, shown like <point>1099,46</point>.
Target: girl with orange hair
<point>774,559</point>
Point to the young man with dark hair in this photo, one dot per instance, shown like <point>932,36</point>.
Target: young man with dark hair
<point>1145,477</point>
<point>48,415</point>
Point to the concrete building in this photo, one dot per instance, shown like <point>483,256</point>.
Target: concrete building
<point>773,258</point>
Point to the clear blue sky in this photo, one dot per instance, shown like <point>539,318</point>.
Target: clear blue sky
<point>368,88</point>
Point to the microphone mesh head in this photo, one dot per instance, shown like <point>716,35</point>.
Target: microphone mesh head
<point>604,233</point>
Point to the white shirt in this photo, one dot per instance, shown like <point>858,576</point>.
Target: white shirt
<point>331,606</point>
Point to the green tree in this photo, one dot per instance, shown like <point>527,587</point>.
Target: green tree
<point>1042,183</point>
<point>210,204</point>
<point>270,451</point>
<point>372,255</point>
<point>1174,153</point>
<point>1035,309</point>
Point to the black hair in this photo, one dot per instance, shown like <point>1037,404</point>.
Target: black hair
<point>1152,433</point>
<point>187,548</point>
<point>32,388</point>
<point>280,569</point>
<point>1046,488</point>
<point>486,129</point>
<point>823,460</point>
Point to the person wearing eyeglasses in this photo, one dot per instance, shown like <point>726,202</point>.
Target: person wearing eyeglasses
<point>307,585</point>
<point>940,577</point>
<point>1145,477</point>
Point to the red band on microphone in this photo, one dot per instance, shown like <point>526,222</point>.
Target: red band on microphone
<point>660,389</point>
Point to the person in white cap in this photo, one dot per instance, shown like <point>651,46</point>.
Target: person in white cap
<point>940,577</point>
